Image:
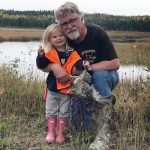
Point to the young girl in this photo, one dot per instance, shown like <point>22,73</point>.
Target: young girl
<point>58,95</point>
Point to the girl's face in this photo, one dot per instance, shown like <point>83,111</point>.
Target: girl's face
<point>57,39</point>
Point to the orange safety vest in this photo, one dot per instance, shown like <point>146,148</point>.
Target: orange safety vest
<point>53,56</point>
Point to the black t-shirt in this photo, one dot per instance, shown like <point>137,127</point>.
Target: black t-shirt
<point>96,45</point>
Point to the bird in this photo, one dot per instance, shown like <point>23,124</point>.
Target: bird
<point>83,88</point>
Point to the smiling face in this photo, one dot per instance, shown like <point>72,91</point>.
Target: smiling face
<point>57,39</point>
<point>72,26</point>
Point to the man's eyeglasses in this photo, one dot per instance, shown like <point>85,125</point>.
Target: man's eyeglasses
<point>71,22</point>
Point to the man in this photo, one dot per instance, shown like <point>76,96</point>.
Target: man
<point>92,44</point>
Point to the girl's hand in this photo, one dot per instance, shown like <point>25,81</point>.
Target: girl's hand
<point>40,51</point>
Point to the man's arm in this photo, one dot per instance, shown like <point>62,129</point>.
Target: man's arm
<point>44,64</point>
<point>59,72</point>
<point>113,64</point>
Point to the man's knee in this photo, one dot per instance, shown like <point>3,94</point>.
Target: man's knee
<point>102,82</point>
<point>100,74</point>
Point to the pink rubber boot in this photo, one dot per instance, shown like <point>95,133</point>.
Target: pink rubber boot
<point>61,125</point>
<point>50,138</point>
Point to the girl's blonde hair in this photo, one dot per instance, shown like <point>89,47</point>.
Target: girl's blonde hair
<point>50,30</point>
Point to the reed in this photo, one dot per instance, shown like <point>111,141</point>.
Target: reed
<point>22,112</point>
<point>23,117</point>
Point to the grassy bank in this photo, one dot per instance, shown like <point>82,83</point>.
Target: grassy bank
<point>128,44</point>
<point>22,124</point>
<point>20,34</point>
<point>22,113</point>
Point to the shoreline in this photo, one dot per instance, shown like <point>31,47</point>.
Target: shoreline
<point>20,34</point>
<point>35,34</point>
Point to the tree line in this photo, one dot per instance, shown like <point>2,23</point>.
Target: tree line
<point>41,19</point>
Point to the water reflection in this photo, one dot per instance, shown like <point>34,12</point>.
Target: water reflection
<point>24,53</point>
<point>133,72</point>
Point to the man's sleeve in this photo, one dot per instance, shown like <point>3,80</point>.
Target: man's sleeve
<point>42,62</point>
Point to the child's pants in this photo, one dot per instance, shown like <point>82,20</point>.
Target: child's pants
<point>57,105</point>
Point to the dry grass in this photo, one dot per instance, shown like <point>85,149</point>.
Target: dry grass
<point>20,34</point>
<point>133,115</point>
<point>124,41</point>
<point>22,111</point>
<point>128,34</point>
<point>22,124</point>
<point>133,53</point>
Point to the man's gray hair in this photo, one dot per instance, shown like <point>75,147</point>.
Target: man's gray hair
<point>66,8</point>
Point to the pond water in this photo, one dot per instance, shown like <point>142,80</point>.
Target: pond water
<point>24,54</point>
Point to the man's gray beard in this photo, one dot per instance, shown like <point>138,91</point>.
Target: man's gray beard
<point>73,35</point>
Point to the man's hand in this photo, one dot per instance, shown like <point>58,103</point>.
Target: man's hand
<point>87,65</point>
<point>60,73</point>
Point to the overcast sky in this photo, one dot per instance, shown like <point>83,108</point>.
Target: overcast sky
<point>115,7</point>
